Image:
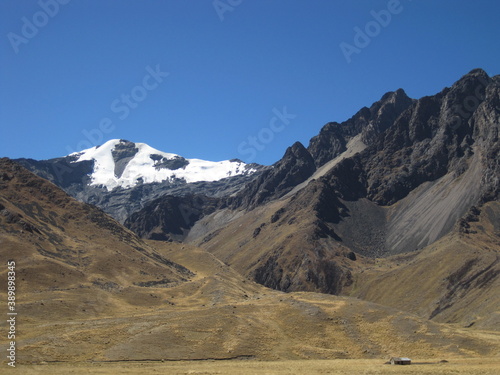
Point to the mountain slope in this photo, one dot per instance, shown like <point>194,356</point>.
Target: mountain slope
<point>455,279</point>
<point>90,290</point>
<point>406,188</point>
<point>67,252</point>
<point>291,173</point>
<point>220,315</point>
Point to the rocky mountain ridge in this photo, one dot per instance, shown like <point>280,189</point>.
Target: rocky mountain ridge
<point>121,176</point>
<point>414,182</point>
<point>402,195</point>
<point>395,178</point>
<point>387,151</point>
<point>114,298</point>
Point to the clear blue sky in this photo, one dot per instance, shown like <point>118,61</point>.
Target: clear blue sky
<point>229,71</point>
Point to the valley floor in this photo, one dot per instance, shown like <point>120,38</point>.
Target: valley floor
<point>469,366</point>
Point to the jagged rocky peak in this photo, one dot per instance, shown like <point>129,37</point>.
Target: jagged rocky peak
<point>469,90</point>
<point>294,167</point>
<point>434,136</point>
<point>367,122</point>
<point>396,98</point>
<point>386,110</point>
<point>297,165</point>
<point>297,151</point>
<point>464,96</point>
<point>475,73</point>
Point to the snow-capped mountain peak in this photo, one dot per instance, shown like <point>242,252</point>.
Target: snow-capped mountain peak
<point>121,163</point>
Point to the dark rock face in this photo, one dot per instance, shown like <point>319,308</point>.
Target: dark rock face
<point>60,171</point>
<point>172,164</point>
<point>379,202</point>
<point>369,122</point>
<point>433,137</point>
<point>169,218</point>
<point>122,154</point>
<point>74,178</point>
<point>296,166</point>
<point>486,133</point>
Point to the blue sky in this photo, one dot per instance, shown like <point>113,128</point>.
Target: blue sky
<point>225,79</point>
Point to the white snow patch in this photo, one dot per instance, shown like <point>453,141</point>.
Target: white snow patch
<point>141,166</point>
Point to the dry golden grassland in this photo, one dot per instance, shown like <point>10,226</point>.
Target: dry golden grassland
<point>84,308</point>
<point>471,366</point>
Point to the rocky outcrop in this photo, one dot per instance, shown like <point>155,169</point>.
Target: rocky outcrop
<point>172,164</point>
<point>74,178</point>
<point>299,224</point>
<point>426,163</point>
<point>295,167</point>
<point>369,122</point>
<point>169,218</point>
<point>122,154</point>
<point>433,137</point>
<point>325,275</point>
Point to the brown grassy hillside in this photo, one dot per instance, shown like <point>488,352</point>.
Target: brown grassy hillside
<point>88,289</point>
<point>453,280</point>
<point>69,256</point>
<point>220,315</point>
